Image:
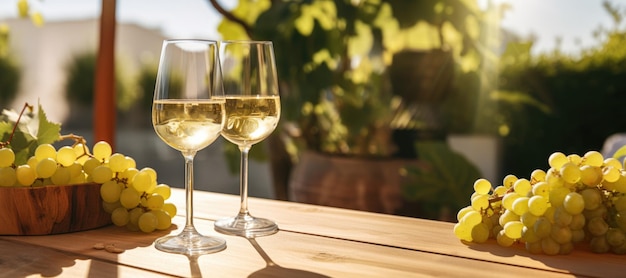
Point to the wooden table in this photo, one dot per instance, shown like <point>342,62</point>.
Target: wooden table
<point>313,241</point>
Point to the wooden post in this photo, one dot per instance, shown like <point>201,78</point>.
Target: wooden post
<point>104,99</point>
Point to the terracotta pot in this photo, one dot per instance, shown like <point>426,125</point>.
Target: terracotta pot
<point>354,183</point>
<point>51,209</point>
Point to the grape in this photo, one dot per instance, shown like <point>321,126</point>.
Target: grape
<point>591,198</point>
<point>513,229</point>
<point>593,158</point>
<point>7,157</point>
<point>482,186</point>
<point>570,173</point>
<point>537,175</point>
<point>509,180</point>
<point>463,231</point>
<point>480,202</point>
<point>499,190</point>
<point>44,151</point>
<point>46,167</point>
<point>507,217</point>
<point>147,222</point>
<point>611,174</point>
<point>589,175</point>
<point>110,207</point>
<point>164,190</point>
<point>541,188</point>
<point>25,174</point>
<point>75,169</point>
<point>574,158</point>
<point>120,217</point>
<point>537,205</point>
<point>129,198</point>
<point>141,181</point>
<point>7,176</point>
<point>612,162</point>
<point>154,202</point>
<point>503,240</point>
<point>164,221</point>
<point>557,195</point>
<point>102,151</point>
<point>90,164</point>
<point>32,162</point>
<point>117,162</point>
<point>597,226</point>
<point>561,234</point>
<point>170,209</point>
<point>110,191</point>
<point>130,162</point>
<point>102,174</point>
<point>529,219</point>
<point>520,205</point>
<point>522,187</point>
<point>66,156</point>
<point>549,246</point>
<point>508,199</point>
<point>620,203</point>
<point>528,235</point>
<point>599,245</point>
<point>542,227</point>
<point>574,203</point>
<point>61,176</point>
<point>557,159</point>
<point>562,217</point>
<point>578,222</point>
<point>615,237</point>
<point>480,233</point>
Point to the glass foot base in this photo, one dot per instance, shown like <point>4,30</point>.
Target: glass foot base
<point>246,225</point>
<point>190,242</point>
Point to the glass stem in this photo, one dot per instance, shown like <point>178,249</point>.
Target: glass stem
<point>189,155</point>
<point>243,179</point>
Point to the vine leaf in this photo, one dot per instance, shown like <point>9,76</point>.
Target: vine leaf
<point>32,131</point>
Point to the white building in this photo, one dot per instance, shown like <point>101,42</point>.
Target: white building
<point>44,52</point>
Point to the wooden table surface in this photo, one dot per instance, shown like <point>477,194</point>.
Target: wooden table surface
<point>313,241</point>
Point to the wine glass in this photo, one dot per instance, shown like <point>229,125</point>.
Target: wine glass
<point>252,108</point>
<point>188,114</point>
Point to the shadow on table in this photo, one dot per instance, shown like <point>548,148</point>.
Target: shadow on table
<point>21,259</point>
<point>274,270</point>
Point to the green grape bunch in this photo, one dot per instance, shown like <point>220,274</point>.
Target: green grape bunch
<point>578,200</point>
<point>132,196</point>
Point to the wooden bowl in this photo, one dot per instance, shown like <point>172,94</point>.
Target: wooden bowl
<point>51,209</point>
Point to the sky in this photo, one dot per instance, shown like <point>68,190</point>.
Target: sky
<point>571,20</point>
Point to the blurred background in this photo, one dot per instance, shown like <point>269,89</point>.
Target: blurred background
<point>462,89</point>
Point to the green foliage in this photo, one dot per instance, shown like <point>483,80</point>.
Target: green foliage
<point>556,102</point>
<point>9,79</point>
<point>446,183</point>
<point>332,59</point>
<point>80,86</point>
<point>32,130</point>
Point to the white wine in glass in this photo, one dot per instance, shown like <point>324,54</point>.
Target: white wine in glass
<point>188,115</point>
<point>252,108</point>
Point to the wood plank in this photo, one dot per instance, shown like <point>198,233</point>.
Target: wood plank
<point>405,232</point>
<point>285,254</point>
<point>25,260</point>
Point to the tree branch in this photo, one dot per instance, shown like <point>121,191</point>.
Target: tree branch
<point>228,15</point>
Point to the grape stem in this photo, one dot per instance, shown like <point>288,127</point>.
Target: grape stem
<point>8,142</point>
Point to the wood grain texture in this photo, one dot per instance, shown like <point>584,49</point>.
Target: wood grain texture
<point>51,209</point>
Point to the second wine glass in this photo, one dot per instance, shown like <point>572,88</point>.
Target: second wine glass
<point>188,114</point>
<point>252,108</point>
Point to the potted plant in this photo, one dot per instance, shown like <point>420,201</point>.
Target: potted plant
<point>334,60</point>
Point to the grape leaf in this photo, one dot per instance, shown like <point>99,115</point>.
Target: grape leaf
<point>32,131</point>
